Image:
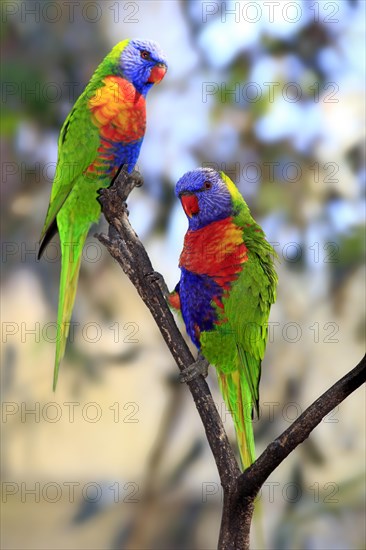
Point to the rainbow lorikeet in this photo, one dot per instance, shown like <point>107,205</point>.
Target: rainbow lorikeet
<point>226,289</point>
<point>103,131</point>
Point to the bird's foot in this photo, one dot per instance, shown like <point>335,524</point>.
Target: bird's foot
<point>156,277</point>
<point>198,368</point>
<point>125,209</point>
<point>102,195</point>
<point>125,186</point>
<point>137,178</point>
<point>123,182</point>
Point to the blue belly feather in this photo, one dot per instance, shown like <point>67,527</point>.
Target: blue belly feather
<point>196,294</point>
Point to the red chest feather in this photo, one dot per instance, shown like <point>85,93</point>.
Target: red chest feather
<point>216,250</point>
<point>118,110</point>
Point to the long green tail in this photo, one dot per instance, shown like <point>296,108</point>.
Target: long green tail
<point>72,242</point>
<point>238,399</point>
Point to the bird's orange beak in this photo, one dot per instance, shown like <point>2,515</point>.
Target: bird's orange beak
<point>157,73</point>
<point>190,204</point>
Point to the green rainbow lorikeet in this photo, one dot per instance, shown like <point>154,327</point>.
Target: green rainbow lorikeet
<point>103,131</point>
<point>226,289</point>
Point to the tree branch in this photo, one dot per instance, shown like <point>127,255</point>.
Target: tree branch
<point>253,478</point>
<point>240,489</point>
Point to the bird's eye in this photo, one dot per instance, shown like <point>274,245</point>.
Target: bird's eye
<point>207,185</point>
<point>145,54</point>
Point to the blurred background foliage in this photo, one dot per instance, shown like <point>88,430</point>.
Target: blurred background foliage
<point>272,93</point>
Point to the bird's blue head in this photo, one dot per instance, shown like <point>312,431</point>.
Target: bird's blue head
<point>205,196</point>
<point>144,64</point>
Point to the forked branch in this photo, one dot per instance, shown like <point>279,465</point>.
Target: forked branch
<point>240,489</point>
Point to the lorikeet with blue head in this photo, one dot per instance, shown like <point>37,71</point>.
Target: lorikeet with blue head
<point>103,132</point>
<point>226,289</point>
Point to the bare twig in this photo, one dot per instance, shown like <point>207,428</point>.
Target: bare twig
<point>240,489</point>
<point>253,478</point>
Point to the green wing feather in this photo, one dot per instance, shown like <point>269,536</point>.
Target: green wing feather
<point>248,331</point>
<point>78,144</point>
<point>251,368</point>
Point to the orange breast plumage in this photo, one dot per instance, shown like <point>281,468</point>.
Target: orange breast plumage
<point>216,250</point>
<point>118,110</point>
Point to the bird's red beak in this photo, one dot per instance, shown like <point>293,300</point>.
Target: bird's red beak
<point>190,204</point>
<point>157,73</point>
